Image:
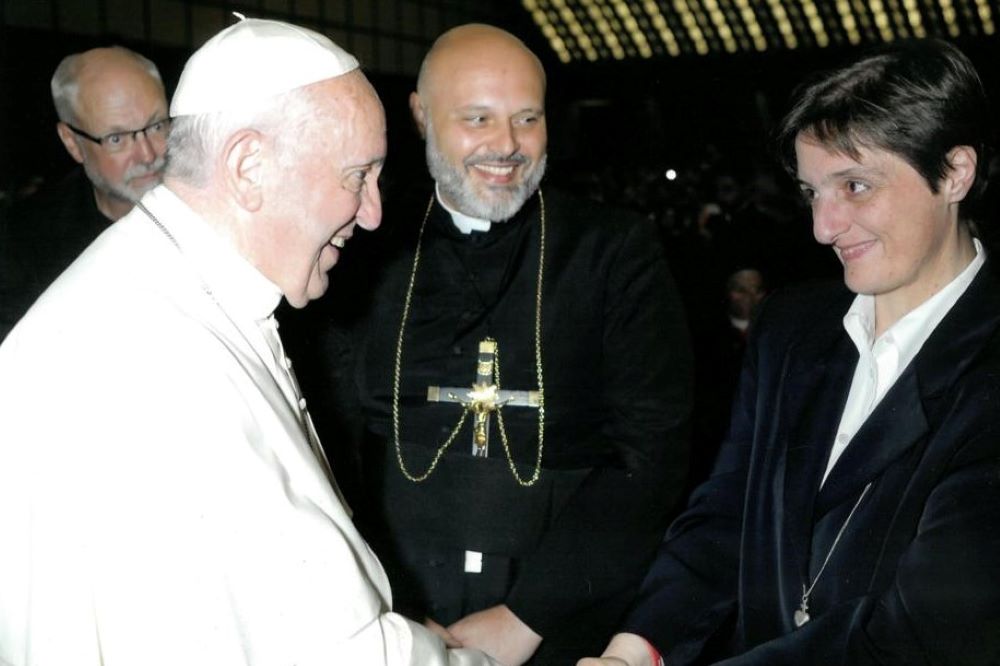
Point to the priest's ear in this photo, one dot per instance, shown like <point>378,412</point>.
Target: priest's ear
<point>419,113</point>
<point>242,166</point>
<point>69,142</point>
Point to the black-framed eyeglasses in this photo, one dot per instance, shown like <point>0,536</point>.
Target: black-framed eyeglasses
<point>121,141</point>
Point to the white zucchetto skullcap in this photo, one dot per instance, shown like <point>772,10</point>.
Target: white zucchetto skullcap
<point>250,62</point>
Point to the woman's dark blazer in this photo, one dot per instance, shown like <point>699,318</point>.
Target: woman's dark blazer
<point>915,578</point>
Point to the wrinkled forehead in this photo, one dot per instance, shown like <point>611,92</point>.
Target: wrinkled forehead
<point>353,99</point>
<point>351,112</point>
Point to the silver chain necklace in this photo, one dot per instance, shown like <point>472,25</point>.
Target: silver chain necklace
<point>802,614</point>
<point>173,241</point>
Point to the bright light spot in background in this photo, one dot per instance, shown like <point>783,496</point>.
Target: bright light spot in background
<point>671,174</point>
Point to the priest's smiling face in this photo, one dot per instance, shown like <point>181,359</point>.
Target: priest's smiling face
<point>326,184</point>
<point>481,107</point>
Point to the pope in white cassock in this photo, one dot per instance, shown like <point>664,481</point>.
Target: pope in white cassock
<point>163,498</point>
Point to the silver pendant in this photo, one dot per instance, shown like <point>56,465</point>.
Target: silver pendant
<point>801,617</point>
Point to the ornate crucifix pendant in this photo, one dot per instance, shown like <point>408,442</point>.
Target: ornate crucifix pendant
<point>484,398</point>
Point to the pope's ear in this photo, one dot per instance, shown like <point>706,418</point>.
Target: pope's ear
<point>961,174</point>
<point>69,142</point>
<point>242,162</point>
<point>417,109</point>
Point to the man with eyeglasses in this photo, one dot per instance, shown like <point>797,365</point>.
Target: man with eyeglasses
<point>113,121</point>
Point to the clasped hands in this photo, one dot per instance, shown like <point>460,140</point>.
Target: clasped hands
<point>502,635</point>
<point>496,631</point>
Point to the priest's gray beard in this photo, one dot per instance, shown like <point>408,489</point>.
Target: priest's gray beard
<point>499,203</point>
<point>125,190</point>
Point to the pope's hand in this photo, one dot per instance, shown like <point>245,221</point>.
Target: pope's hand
<point>445,635</point>
<point>499,633</point>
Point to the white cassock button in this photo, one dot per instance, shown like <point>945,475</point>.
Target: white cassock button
<point>302,404</point>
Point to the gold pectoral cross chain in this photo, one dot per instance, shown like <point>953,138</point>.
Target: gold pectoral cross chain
<point>486,396</point>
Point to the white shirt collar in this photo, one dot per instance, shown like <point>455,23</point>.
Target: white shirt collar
<point>462,222</point>
<point>234,282</point>
<point>912,330</point>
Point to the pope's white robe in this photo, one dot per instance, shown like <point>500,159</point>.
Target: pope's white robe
<point>159,499</point>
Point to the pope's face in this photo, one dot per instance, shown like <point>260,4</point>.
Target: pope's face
<point>896,239</point>
<point>484,121</point>
<point>329,187</point>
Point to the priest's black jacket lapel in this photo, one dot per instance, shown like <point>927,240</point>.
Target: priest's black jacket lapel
<point>921,541</point>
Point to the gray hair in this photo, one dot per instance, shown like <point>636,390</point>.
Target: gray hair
<point>66,88</point>
<point>195,140</point>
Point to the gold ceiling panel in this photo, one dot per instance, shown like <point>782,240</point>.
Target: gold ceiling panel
<point>591,30</point>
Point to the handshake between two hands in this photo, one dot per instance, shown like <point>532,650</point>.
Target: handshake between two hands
<point>498,632</point>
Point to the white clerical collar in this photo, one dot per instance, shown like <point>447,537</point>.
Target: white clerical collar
<point>234,282</point>
<point>462,222</point>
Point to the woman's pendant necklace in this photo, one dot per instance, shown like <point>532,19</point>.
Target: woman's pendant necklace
<point>801,616</point>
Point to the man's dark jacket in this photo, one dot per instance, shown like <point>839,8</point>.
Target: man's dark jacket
<point>40,237</point>
<point>912,580</point>
<point>566,555</point>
